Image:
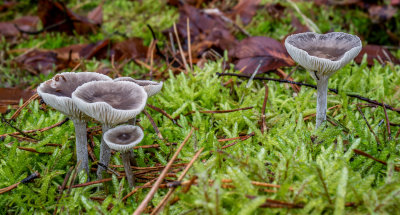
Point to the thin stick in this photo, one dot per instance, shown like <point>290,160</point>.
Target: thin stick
<point>153,124</point>
<point>152,146</point>
<point>38,130</point>
<point>24,181</point>
<point>397,168</point>
<point>263,124</point>
<point>369,126</point>
<point>161,205</point>
<point>60,192</point>
<point>387,123</point>
<point>312,86</point>
<point>33,150</point>
<point>164,113</point>
<point>153,190</point>
<point>180,49</point>
<point>235,138</point>
<point>216,111</point>
<point>189,45</point>
<point>19,130</point>
<point>16,114</point>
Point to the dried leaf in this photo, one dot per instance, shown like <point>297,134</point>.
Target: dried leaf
<point>55,16</point>
<point>266,52</point>
<point>378,53</point>
<point>246,9</point>
<point>11,96</point>
<point>379,13</point>
<point>132,48</point>
<point>37,61</point>
<point>27,23</point>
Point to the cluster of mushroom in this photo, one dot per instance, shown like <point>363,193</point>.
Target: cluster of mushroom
<point>322,55</point>
<point>86,95</point>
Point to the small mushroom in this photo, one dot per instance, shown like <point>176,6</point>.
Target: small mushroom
<point>322,55</point>
<point>123,138</point>
<point>57,92</point>
<point>151,87</point>
<point>111,103</point>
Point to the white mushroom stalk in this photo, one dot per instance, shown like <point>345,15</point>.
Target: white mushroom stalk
<point>322,55</point>
<point>111,103</point>
<point>57,93</point>
<point>123,138</point>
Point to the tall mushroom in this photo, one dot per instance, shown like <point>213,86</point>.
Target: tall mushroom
<point>57,93</point>
<point>123,138</point>
<point>322,55</point>
<point>111,103</point>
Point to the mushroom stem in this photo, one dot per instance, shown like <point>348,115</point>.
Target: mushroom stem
<point>322,92</point>
<point>127,166</point>
<point>132,157</point>
<point>81,145</point>
<point>105,152</point>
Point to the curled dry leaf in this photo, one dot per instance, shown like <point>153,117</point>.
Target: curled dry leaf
<point>207,31</point>
<point>37,62</point>
<point>11,96</point>
<point>27,23</point>
<point>381,13</point>
<point>378,53</point>
<point>55,16</point>
<point>245,9</point>
<point>266,52</point>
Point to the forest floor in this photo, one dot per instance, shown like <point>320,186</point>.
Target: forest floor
<point>252,139</point>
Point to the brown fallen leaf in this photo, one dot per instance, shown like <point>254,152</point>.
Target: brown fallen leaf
<point>6,5</point>
<point>245,9</point>
<point>207,32</point>
<point>251,52</point>
<point>37,62</point>
<point>378,53</point>
<point>27,23</point>
<point>12,96</point>
<point>381,13</point>
<point>131,48</point>
<point>55,16</point>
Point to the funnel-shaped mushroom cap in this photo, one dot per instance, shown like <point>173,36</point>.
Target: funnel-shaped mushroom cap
<point>151,87</point>
<point>124,137</point>
<point>110,102</point>
<point>324,53</point>
<point>57,91</point>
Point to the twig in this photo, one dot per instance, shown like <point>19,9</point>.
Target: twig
<point>242,139</point>
<point>189,45</point>
<point>216,111</point>
<point>108,168</point>
<point>152,146</point>
<point>33,97</point>
<point>61,189</point>
<point>235,138</point>
<point>33,150</point>
<point>38,130</point>
<point>153,190</point>
<point>155,39</point>
<point>324,185</point>
<point>312,86</point>
<point>161,205</point>
<point>369,126</point>
<point>24,181</point>
<point>153,124</point>
<point>19,130</point>
<point>357,151</point>
<point>164,113</point>
<point>271,203</point>
<point>180,49</point>
<point>387,123</point>
<point>263,124</point>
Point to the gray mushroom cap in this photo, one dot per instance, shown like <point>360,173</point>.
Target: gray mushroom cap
<point>323,53</point>
<point>57,91</point>
<point>123,138</point>
<point>110,102</point>
<point>151,87</point>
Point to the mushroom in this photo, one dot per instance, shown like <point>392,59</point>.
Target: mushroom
<point>151,87</point>
<point>57,92</point>
<point>322,55</point>
<point>123,138</point>
<point>111,103</point>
